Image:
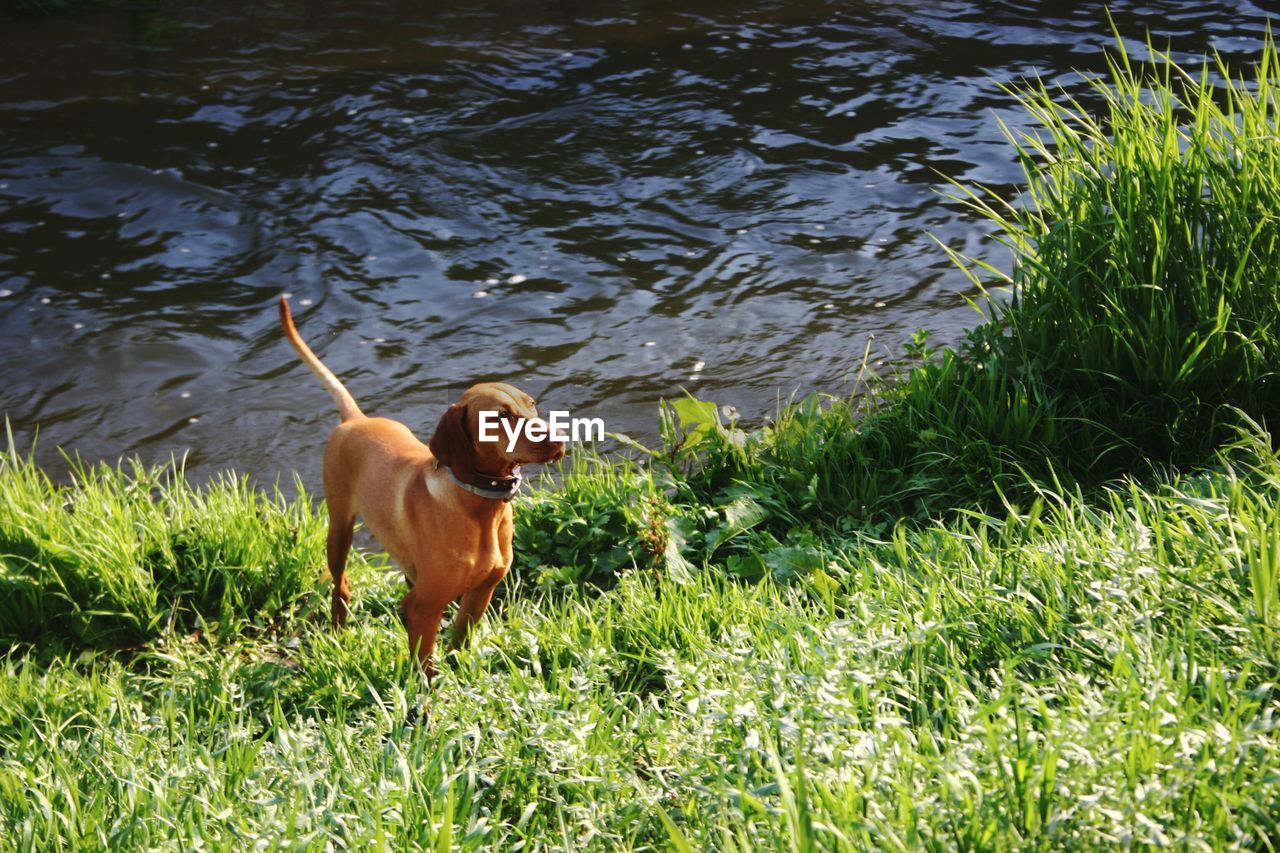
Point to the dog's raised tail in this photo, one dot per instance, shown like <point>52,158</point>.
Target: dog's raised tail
<point>347,407</point>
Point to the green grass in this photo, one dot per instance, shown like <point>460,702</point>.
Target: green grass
<point>1027,598</point>
<point>1078,673</point>
<point>127,554</point>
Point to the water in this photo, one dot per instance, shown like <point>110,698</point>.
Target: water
<point>589,200</point>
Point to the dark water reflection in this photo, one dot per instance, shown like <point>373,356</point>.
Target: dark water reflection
<point>587,199</point>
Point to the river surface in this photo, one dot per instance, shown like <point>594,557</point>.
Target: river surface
<point>602,202</point>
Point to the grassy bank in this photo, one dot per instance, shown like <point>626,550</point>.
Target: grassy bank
<point>1077,673</point>
<point>1029,596</point>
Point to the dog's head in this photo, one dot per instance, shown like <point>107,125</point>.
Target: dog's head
<point>456,441</point>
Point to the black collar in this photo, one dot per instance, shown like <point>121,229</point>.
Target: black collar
<point>494,488</point>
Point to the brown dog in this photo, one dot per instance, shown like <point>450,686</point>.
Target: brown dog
<point>442,510</point>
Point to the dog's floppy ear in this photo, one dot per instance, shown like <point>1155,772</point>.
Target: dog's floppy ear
<point>451,443</point>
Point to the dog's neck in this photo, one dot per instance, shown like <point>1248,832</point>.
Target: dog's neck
<point>495,487</point>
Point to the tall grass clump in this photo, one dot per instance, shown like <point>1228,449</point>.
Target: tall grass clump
<point>122,554</point>
<point>1142,315</point>
<point>1146,277</point>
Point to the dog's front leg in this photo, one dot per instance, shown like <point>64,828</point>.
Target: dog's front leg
<point>422,619</point>
<point>471,608</point>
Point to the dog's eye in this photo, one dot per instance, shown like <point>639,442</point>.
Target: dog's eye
<point>506,416</point>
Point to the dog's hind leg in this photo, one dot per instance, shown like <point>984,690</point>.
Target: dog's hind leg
<point>342,523</point>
